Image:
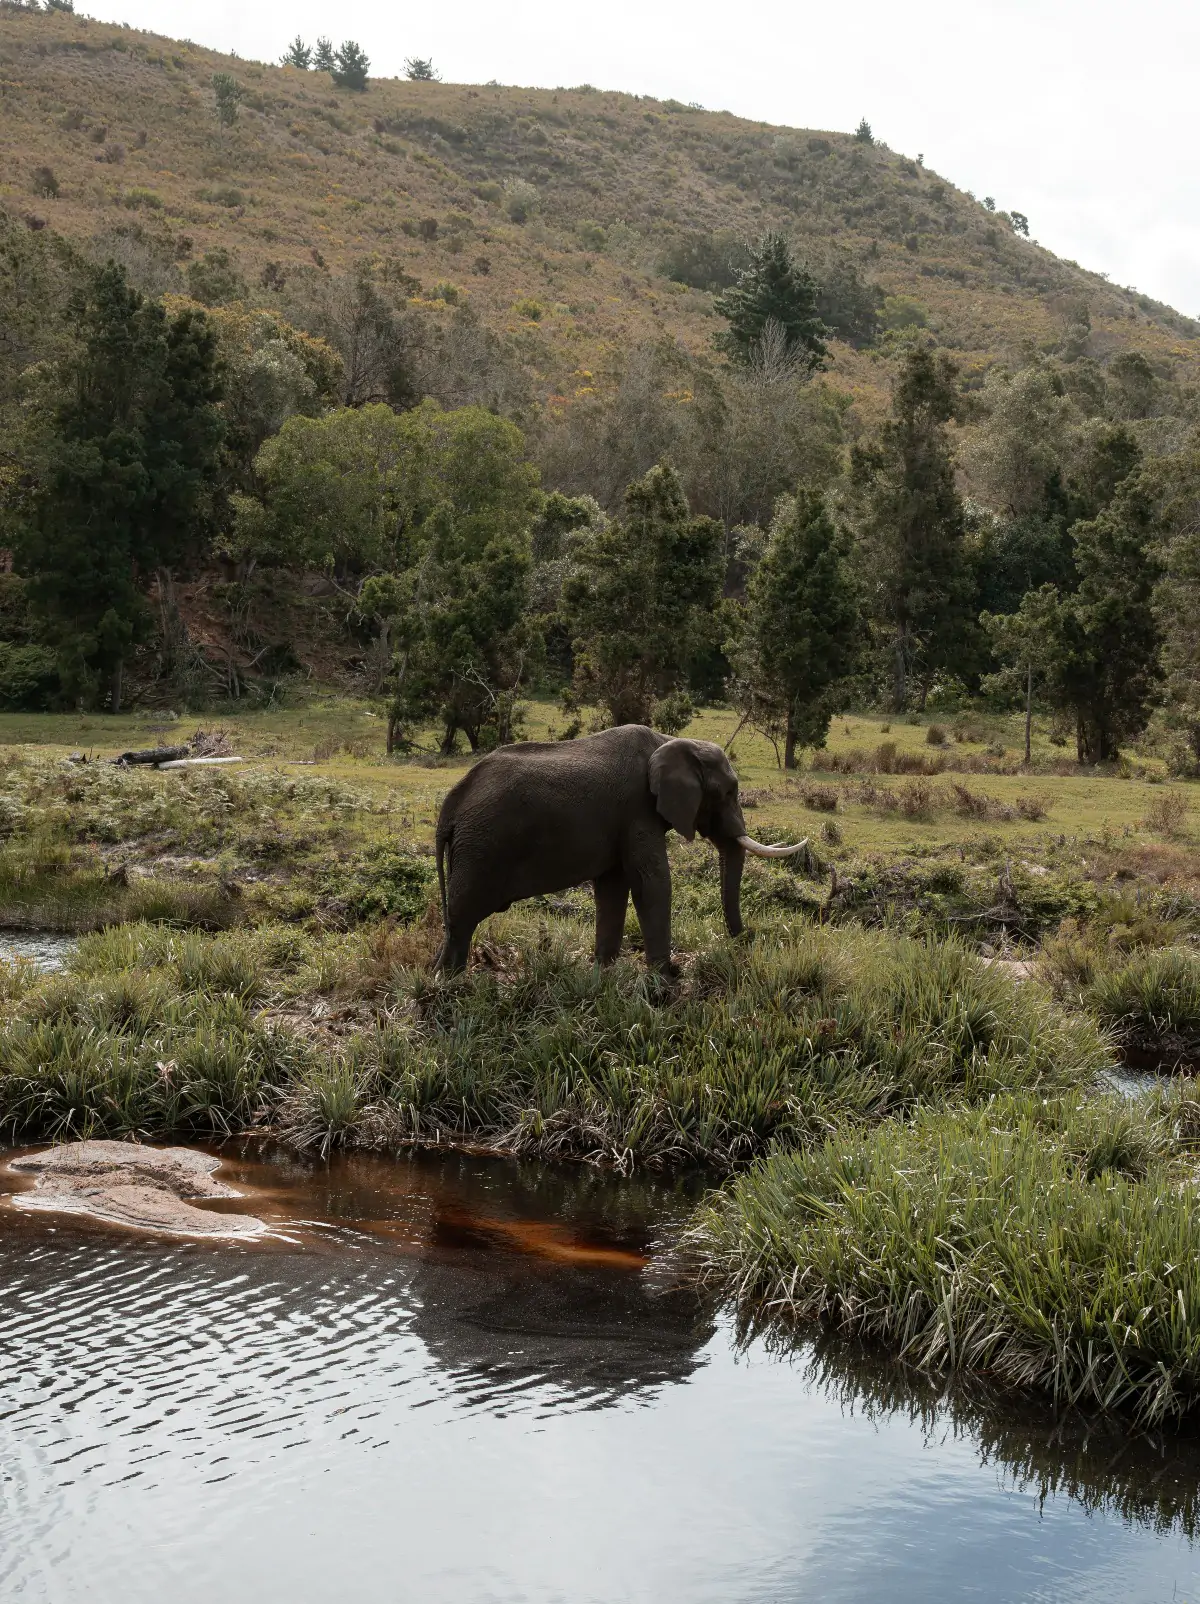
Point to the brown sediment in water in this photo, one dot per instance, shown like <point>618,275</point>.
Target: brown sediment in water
<point>544,1239</point>
<point>125,1183</point>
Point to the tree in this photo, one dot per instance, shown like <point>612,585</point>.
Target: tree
<point>461,632</point>
<point>297,54</point>
<point>773,294</point>
<point>353,491</point>
<point>1106,456</point>
<point>705,261</point>
<point>848,304</point>
<point>863,133</point>
<point>271,371</point>
<point>1020,223</point>
<point>374,341</point>
<point>229,93</point>
<point>323,56</point>
<point>739,438</point>
<point>641,601</point>
<point>801,631</point>
<point>215,280</point>
<point>749,435</point>
<point>421,70</point>
<point>124,460</point>
<point>1016,459</point>
<point>1133,387</point>
<point>1024,642</point>
<point>912,549</point>
<point>350,66</point>
<point>1175,484</point>
<point>1098,647</point>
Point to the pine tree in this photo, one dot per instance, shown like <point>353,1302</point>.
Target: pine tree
<point>773,295</point>
<point>642,600</point>
<point>1096,650</point>
<point>1105,665</point>
<point>919,585</point>
<point>863,133</point>
<point>350,66</point>
<point>801,632</point>
<point>228,92</point>
<point>1176,484</point>
<point>124,461</point>
<point>421,70</point>
<point>297,54</point>
<point>323,57</point>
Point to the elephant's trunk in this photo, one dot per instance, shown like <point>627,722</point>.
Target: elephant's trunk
<point>733,860</point>
<point>760,851</point>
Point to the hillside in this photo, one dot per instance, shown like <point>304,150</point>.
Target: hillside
<point>550,212</point>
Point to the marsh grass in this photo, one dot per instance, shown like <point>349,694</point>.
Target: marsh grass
<point>772,1042</point>
<point>1047,1243</point>
<point>349,1038</point>
<point>46,884</point>
<point>1151,1002</point>
<point>83,847</point>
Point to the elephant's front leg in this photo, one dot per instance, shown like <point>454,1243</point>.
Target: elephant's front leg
<point>612,899</point>
<point>651,889</point>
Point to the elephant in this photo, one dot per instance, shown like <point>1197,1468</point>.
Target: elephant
<point>541,816</point>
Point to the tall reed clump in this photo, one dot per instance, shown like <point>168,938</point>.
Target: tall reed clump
<point>774,1043</point>
<point>1151,1002</point>
<point>347,1038</point>
<point>153,1031</point>
<point>1047,1243</point>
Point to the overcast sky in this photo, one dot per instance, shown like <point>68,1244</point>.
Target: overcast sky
<point>1079,113</point>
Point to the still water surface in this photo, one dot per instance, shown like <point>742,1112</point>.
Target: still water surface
<point>452,1378</point>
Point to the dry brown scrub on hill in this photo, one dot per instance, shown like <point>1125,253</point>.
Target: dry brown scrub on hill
<point>547,211</point>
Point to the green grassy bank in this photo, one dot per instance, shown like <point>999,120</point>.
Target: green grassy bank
<point>914,1141</point>
<point>347,1038</point>
<point>1047,1243</point>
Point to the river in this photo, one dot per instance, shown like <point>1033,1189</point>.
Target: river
<point>457,1378</point>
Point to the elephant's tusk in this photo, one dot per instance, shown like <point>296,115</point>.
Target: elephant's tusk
<point>760,851</point>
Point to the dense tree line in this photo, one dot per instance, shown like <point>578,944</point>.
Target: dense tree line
<point>691,527</point>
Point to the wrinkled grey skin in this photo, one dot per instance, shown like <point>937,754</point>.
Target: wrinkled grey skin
<point>544,815</point>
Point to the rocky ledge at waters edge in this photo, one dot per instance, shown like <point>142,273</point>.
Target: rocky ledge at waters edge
<point>124,1183</point>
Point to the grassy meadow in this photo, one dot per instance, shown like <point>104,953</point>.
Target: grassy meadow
<point>901,1083</point>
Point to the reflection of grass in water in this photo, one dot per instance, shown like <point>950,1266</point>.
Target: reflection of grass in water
<point>1046,1242</point>
<point>1096,1461</point>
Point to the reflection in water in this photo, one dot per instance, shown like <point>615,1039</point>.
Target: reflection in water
<point>452,1378</point>
<point>1149,1477</point>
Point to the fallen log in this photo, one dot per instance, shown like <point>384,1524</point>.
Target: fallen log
<point>153,754</point>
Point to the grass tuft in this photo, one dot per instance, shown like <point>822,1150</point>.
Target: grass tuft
<point>1151,1002</point>
<point>1046,1243</point>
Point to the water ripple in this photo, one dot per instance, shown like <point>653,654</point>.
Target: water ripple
<point>317,1417</point>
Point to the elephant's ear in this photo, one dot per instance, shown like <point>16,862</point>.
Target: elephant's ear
<point>677,785</point>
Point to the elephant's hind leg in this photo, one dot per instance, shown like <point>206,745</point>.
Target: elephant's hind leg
<point>455,949</point>
<point>612,899</point>
<point>462,918</point>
